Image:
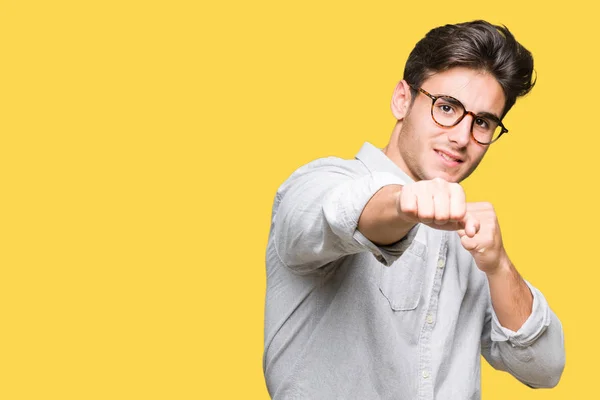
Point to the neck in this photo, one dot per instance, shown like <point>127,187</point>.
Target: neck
<point>391,150</point>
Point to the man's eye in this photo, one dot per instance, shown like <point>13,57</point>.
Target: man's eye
<point>447,108</point>
<point>482,123</point>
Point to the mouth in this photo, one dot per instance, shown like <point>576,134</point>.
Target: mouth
<point>449,159</point>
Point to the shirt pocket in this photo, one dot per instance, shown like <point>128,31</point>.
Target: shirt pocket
<point>402,282</point>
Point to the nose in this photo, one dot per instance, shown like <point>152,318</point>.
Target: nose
<point>461,132</point>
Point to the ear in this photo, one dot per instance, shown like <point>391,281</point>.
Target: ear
<point>401,100</point>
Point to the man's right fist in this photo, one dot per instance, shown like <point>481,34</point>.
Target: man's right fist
<point>438,204</point>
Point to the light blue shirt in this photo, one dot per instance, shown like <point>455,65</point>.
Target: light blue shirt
<point>346,319</point>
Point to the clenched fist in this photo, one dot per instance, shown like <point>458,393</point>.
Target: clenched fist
<point>442,205</point>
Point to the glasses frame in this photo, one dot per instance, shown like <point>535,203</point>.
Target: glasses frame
<point>433,100</point>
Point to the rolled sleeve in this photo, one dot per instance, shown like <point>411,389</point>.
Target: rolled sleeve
<point>344,205</point>
<point>534,326</point>
<point>390,253</point>
<point>535,353</point>
<point>317,219</point>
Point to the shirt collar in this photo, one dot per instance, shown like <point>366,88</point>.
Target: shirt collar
<point>375,160</point>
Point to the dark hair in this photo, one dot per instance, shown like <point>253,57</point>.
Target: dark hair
<point>476,45</point>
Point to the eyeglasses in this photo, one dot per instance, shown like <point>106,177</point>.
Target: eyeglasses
<point>447,112</point>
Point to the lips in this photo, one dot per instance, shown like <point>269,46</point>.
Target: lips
<point>449,157</point>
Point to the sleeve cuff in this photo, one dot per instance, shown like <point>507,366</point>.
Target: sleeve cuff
<point>390,253</point>
<point>534,326</point>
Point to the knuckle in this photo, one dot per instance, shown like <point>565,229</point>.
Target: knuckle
<point>456,188</point>
<point>457,215</point>
<point>426,215</point>
<point>422,185</point>
<point>441,184</point>
<point>442,218</point>
<point>408,208</point>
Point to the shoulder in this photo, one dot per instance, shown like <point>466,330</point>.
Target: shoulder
<point>331,166</point>
<point>322,173</point>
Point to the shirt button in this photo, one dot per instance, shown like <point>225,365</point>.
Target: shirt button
<point>440,263</point>
<point>425,374</point>
<point>429,319</point>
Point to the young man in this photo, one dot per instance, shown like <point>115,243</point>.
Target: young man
<point>382,281</point>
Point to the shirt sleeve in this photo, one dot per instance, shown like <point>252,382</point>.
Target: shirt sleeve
<point>535,353</point>
<point>317,218</point>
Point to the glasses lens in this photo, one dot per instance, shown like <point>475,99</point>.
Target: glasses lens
<point>486,130</point>
<point>447,111</point>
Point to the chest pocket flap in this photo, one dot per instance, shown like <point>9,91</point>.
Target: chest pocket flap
<point>402,282</point>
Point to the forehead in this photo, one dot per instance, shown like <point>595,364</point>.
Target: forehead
<point>477,90</point>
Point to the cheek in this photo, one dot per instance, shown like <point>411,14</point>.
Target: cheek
<point>475,157</point>
<point>419,134</point>
<point>477,152</point>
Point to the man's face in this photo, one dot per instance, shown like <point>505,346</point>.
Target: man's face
<point>426,150</point>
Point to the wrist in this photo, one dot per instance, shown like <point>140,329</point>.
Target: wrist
<point>502,267</point>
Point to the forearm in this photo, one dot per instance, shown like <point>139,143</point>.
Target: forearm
<point>534,354</point>
<point>380,220</point>
<point>316,221</point>
<point>511,298</point>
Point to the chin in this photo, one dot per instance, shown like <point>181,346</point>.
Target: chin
<point>449,177</point>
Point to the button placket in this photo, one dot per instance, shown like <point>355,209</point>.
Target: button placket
<point>426,383</point>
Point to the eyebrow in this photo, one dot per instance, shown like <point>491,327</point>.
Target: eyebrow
<point>457,102</point>
<point>488,115</point>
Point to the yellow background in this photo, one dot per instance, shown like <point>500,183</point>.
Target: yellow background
<point>142,143</point>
